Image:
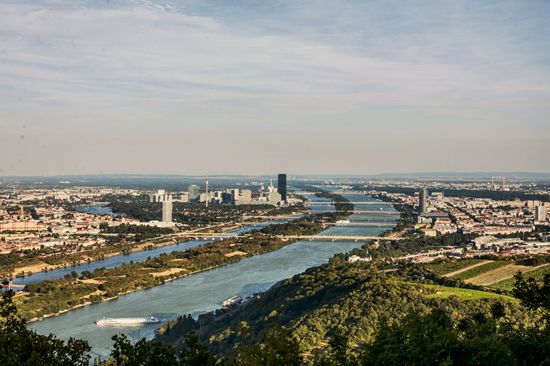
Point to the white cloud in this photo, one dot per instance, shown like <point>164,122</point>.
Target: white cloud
<point>77,54</point>
<point>396,70</point>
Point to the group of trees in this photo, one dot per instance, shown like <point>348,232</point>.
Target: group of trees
<point>137,232</point>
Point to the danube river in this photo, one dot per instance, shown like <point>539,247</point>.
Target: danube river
<point>206,291</point>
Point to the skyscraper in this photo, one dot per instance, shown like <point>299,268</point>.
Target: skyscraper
<point>167,211</point>
<point>207,194</point>
<point>281,186</point>
<point>193,192</point>
<point>423,201</point>
<point>540,213</point>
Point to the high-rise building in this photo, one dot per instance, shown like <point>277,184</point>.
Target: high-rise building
<point>246,196</point>
<point>423,201</point>
<point>207,194</point>
<point>274,198</point>
<point>540,213</point>
<point>227,198</point>
<point>281,186</point>
<point>167,211</point>
<point>193,192</point>
<point>235,194</point>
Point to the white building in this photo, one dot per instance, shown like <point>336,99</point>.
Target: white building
<point>540,213</point>
<point>167,211</point>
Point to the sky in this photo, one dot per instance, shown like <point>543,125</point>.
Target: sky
<point>256,87</point>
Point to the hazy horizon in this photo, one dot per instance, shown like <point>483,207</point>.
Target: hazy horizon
<point>249,87</point>
<point>291,175</point>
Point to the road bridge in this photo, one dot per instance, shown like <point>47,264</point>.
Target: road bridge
<point>359,212</point>
<point>367,224</point>
<point>315,203</point>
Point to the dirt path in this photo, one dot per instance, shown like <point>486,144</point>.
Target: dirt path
<point>451,274</point>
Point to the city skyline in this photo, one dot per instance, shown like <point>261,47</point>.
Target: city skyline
<point>312,87</point>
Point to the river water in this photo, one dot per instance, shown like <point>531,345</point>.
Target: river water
<point>206,291</point>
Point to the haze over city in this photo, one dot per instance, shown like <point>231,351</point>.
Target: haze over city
<point>252,87</point>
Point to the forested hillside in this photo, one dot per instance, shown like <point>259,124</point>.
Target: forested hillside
<point>336,298</point>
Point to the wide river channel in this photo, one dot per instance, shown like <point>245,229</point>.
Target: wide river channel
<point>203,292</point>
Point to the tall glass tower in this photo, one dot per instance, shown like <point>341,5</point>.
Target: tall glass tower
<point>281,186</point>
<point>423,201</point>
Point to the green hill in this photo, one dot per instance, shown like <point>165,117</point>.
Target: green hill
<point>349,298</point>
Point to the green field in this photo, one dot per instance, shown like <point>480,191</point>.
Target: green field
<point>448,267</point>
<point>481,269</point>
<point>509,283</point>
<point>443,292</point>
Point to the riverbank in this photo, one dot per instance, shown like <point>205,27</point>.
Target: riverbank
<point>53,297</point>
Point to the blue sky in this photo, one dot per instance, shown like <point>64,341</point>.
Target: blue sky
<point>195,87</point>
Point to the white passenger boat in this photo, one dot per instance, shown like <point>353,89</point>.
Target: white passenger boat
<point>342,222</point>
<point>126,321</point>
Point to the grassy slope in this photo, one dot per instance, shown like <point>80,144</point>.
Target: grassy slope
<point>444,292</point>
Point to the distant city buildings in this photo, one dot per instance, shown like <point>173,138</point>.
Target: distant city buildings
<point>160,196</point>
<point>275,196</point>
